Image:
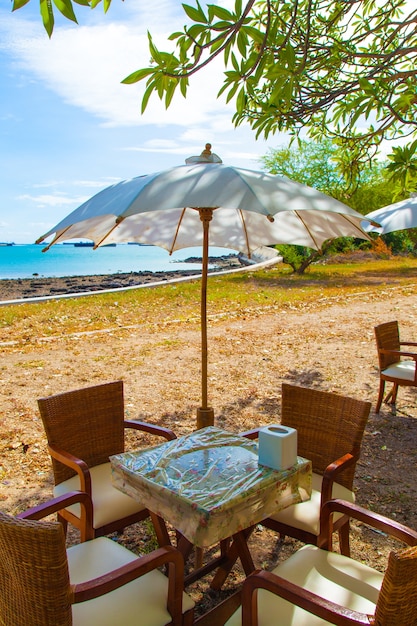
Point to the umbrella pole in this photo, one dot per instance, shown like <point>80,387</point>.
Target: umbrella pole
<point>205,414</point>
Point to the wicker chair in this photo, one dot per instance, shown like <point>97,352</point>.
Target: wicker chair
<point>330,430</point>
<point>96,582</point>
<point>315,586</point>
<point>84,428</point>
<point>392,366</point>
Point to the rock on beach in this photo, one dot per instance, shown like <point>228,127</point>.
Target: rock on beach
<point>38,286</point>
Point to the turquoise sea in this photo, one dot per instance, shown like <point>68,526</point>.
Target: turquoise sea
<point>28,260</point>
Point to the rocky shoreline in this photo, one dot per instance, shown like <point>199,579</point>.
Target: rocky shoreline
<point>38,286</point>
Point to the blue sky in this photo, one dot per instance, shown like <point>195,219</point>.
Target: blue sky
<point>69,128</point>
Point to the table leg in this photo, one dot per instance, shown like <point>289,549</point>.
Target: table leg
<point>238,549</point>
<point>160,530</point>
<point>184,546</point>
<point>229,553</point>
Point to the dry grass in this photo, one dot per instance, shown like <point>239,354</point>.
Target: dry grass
<point>264,328</point>
<point>227,295</point>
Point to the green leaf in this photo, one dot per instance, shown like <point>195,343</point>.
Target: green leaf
<point>238,7</point>
<point>242,43</point>
<point>216,45</point>
<point>235,63</point>
<point>220,12</point>
<point>241,100</point>
<point>146,96</point>
<point>47,16</point>
<point>222,26</point>
<point>183,86</point>
<point>194,31</point>
<point>18,4</point>
<point>154,50</point>
<point>175,35</point>
<point>232,92</point>
<point>135,77</point>
<point>65,7</point>
<point>254,33</point>
<point>195,14</point>
<point>169,94</point>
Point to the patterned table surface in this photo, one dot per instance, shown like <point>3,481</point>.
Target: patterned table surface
<point>208,484</point>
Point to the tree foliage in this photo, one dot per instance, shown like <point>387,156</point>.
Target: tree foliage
<point>323,165</point>
<point>326,166</point>
<point>345,69</point>
<point>65,7</point>
<point>403,169</point>
<point>339,68</point>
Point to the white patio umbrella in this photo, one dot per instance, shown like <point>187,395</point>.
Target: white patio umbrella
<point>194,204</point>
<point>398,216</point>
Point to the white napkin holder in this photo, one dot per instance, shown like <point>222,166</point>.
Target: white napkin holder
<point>277,446</point>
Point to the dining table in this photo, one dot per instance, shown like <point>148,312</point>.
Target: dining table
<point>209,486</point>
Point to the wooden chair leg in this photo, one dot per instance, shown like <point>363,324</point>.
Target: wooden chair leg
<point>394,394</point>
<point>391,398</point>
<point>381,395</point>
<point>198,557</point>
<point>344,532</point>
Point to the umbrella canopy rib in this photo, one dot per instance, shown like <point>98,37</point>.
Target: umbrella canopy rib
<point>118,221</point>
<point>316,245</point>
<point>246,234</point>
<point>177,230</point>
<point>55,239</point>
<point>355,226</point>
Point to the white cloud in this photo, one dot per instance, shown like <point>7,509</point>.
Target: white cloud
<point>77,183</point>
<point>54,200</point>
<point>85,67</point>
<point>100,137</point>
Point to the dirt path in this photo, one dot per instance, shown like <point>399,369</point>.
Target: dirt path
<point>328,345</point>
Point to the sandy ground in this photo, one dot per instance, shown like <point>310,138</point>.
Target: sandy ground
<point>327,345</point>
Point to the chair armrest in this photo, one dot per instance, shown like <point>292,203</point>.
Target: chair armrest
<point>331,473</point>
<point>142,565</point>
<point>151,428</point>
<point>380,522</point>
<point>399,353</point>
<point>325,609</point>
<point>78,465</point>
<point>62,502</point>
<point>408,343</point>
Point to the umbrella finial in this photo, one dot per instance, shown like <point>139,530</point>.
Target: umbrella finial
<point>207,156</point>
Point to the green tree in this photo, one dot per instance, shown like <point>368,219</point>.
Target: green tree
<point>311,163</point>
<point>338,68</point>
<point>403,169</point>
<point>327,167</point>
<point>323,165</point>
<point>343,69</point>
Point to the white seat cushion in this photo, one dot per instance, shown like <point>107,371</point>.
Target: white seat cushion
<point>109,504</point>
<point>141,602</point>
<point>306,515</point>
<point>332,576</point>
<point>405,370</point>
